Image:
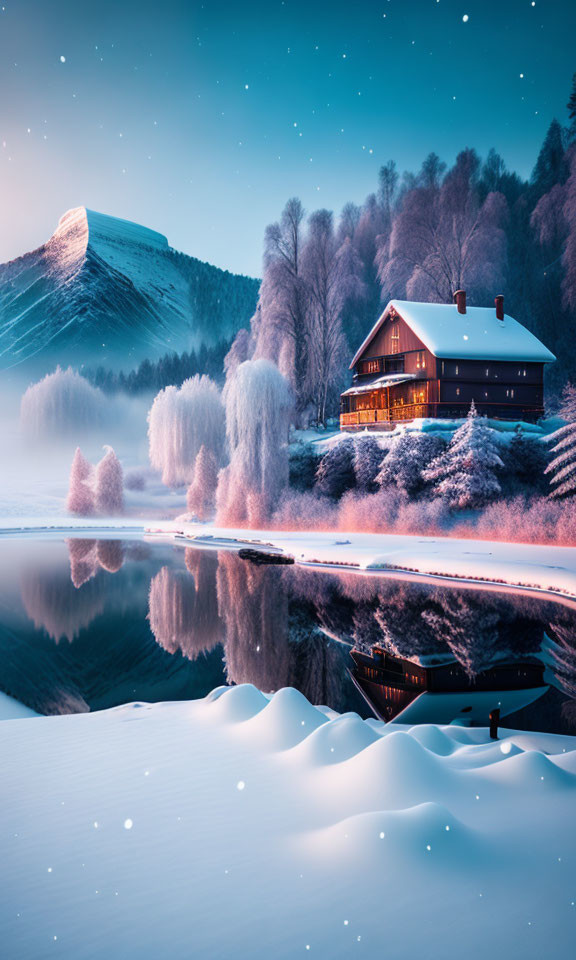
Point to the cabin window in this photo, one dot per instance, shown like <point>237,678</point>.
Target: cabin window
<point>456,369</point>
<point>420,360</point>
<point>485,393</point>
<point>510,393</point>
<point>457,391</point>
<point>442,368</point>
<point>372,366</point>
<point>487,371</point>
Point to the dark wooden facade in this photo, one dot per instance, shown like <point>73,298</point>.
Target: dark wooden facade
<point>445,388</point>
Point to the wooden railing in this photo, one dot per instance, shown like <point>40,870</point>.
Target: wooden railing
<point>409,411</point>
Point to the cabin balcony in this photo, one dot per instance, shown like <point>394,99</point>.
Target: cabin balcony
<point>383,418</point>
<point>386,418</point>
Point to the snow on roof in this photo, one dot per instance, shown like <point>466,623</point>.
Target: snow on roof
<point>387,381</point>
<point>475,335</point>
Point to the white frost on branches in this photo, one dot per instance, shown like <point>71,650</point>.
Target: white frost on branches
<point>562,468</point>
<point>464,475</point>
<point>61,402</point>
<point>181,421</point>
<point>258,404</point>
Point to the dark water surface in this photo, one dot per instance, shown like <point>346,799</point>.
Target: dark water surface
<point>87,624</point>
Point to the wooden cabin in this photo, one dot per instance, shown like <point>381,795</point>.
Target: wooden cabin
<point>433,359</point>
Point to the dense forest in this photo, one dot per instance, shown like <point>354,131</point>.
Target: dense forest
<point>420,236</point>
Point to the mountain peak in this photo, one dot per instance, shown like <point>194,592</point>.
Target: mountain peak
<point>84,228</point>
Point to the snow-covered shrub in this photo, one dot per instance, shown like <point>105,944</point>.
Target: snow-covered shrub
<point>303,464</point>
<point>408,456</point>
<point>60,403</point>
<point>304,510</point>
<point>465,474</point>
<point>368,457</point>
<point>80,493</point>
<point>180,421</point>
<point>258,410</point>
<point>108,484</point>
<point>335,472</point>
<point>200,499</point>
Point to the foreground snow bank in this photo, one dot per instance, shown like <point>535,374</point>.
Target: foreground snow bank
<point>248,826</point>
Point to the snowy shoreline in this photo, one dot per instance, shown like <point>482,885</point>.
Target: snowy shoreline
<point>482,564</point>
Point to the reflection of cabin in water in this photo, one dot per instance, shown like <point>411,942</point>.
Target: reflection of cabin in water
<point>399,689</point>
<point>433,359</point>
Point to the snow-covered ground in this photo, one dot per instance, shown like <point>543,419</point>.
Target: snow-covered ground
<point>246,827</point>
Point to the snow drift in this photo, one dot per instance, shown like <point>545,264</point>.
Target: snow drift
<point>248,826</point>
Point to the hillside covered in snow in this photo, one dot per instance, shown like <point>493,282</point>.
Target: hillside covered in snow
<point>106,291</point>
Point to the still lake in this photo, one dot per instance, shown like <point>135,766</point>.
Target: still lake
<point>89,624</point>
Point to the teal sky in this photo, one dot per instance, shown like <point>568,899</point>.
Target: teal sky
<point>200,119</point>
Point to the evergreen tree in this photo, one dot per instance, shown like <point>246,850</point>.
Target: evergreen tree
<point>464,475</point>
<point>80,494</point>
<point>525,461</point>
<point>335,472</point>
<point>368,456</point>
<point>409,455</point>
<point>550,166</point>
<point>109,484</point>
<point>562,468</point>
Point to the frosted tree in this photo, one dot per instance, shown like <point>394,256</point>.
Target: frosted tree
<point>408,455</point>
<point>80,493</point>
<point>258,405</point>
<point>182,420</point>
<point>281,320</point>
<point>109,484</point>
<point>60,403</point>
<point>200,499</point>
<point>368,457</point>
<point>444,239</point>
<point>464,476</point>
<point>335,472</point>
<point>333,276</point>
<point>562,467</point>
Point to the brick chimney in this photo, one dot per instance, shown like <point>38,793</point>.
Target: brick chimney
<point>460,300</point>
<point>499,301</point>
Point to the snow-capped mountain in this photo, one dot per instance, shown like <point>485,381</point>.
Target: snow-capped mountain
<point>106,291</point>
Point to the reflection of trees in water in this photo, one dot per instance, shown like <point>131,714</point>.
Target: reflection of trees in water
<point>254,608</point>
<point>183,607</point>
<point>53,601</point>
<point>63,604</point>
<point>563,633</point>
<point>272,636</point>
<point>89,556</point>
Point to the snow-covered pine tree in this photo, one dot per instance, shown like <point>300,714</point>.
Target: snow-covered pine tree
<point>525,460</point>
<point>201,496</point>
<point>80,494</point>
<point>562,468</point>
<point>335,472</point>
<point>368,456</point>
<point>109,484</point>
<point>408,456</point>
<point>464,476</point>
